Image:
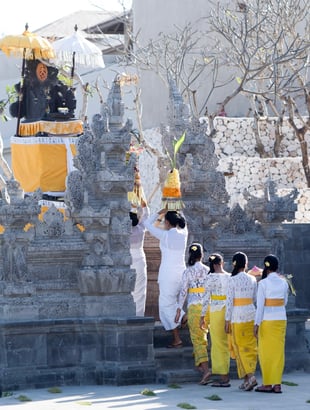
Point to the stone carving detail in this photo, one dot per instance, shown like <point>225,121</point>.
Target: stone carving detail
<point>178,111</point>
<point>115,105</point>
<point>75,191</point>
<point>14,259</point>
<point>99,125</point>
<point>85,161</point>
<point>53,223</point>
<point>239,222</point>
<point>103,211</point>
<point>272,208</point>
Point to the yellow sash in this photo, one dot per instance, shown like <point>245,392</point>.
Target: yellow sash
<point>274,302</point>
<point>196,290</point>
<point>242,301</point>
<point>218,297</point>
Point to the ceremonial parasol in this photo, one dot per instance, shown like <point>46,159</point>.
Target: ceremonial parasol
<point>77,50</point>
<point>28,46</point>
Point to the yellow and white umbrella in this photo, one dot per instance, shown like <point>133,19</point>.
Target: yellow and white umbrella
<point>28,46</point>
<point>77,51</point>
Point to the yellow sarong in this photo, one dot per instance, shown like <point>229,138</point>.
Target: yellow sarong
<point>245,347</point>
<point>220,355</point>
<point>271,350</point>
<point>198,336</point>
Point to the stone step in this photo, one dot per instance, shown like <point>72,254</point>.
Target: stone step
<point>162,338</point>
<point>178,376</point>
<point>177,365</point>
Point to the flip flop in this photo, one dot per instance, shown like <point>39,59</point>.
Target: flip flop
<point>206,379</point>
<point>175,345</point>
<point>220,383</point>
<point>264,389</point>
<point>277,389</point>
<point>250,384</point>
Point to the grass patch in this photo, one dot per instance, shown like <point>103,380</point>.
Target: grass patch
<point>289,383</point>
<point>54,390</point>
<point>308,401</point>
<point>148,392</point>
<point>214,397</point>
<point>174,386</point>
<point>186,406</point>
<point>23,397</point>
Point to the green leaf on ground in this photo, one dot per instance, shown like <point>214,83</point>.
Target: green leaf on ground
<point>289,383</point>
<point>22,397</point>
<point>214,397</point>
<point>186,406</point>
<point>174,386</point>
<point>54,390</point>
<point>148,392</point>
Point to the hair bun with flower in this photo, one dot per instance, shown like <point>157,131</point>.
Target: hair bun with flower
<point>234,263</point>
<point>267,264</point>
<point>212,257</point>
<point>194,248</point>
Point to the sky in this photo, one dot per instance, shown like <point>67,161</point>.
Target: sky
<point>16,13</point>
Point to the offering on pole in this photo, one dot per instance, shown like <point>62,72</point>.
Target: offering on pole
<point>171,193</point>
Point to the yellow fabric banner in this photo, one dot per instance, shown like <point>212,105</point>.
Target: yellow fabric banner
<point>42,162</point>
<point>51,127</point>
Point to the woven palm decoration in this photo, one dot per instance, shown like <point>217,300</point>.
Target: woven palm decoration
<point>171,193</point>
<point>137,194</point>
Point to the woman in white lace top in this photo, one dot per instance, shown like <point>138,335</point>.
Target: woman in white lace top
<point>239,319</point>
<point>193,282</point>
<point>215,298</point>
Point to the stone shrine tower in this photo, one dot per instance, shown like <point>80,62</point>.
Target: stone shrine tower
<point>67,313</point>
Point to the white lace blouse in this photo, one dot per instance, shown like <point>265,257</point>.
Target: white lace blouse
<point>215,292</point>
<point>193,281</point>
<point>241,286</point>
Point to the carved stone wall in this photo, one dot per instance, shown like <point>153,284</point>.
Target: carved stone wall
<point>66,281</point>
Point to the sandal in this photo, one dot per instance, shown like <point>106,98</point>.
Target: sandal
<point>221,383</point>
<point>175,345</point>
<point>264,389</point>
<point>184,321</point>
<point>206,379</point>
<point>250,384</point>
<point>242,385</point>
<point>277,388</point>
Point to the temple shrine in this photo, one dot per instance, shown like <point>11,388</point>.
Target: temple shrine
<point>47,130</point>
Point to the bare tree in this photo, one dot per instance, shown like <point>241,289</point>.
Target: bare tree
<point>266,44</point>
<point>257,48</point>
